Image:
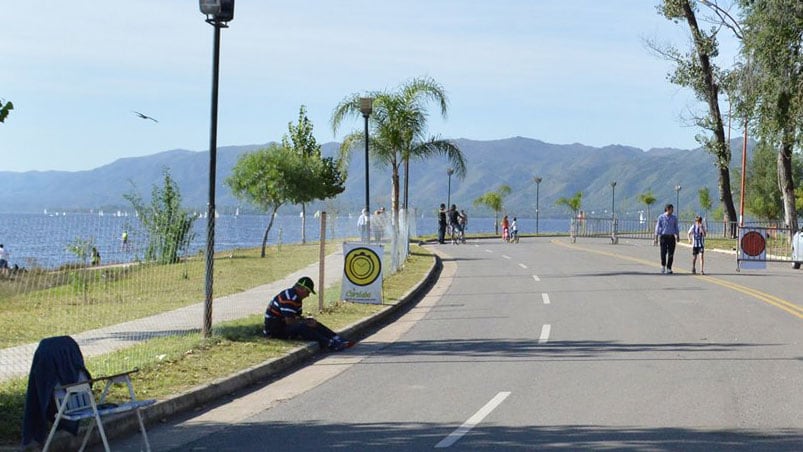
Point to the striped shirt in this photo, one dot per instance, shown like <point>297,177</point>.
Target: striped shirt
<point>697,234</point>
<point>287,304</point>
<point>667,225</point>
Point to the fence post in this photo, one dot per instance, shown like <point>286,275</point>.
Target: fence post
<point>321,260</point>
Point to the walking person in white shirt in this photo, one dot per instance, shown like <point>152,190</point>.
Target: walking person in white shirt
<point>697,242</point>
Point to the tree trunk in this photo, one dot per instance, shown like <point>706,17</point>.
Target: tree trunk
<point>720,148</point>
<point>267,230</point>
<point>303,223</point>
<point>406,182</point>
<point>394,196</point>
<point>726,198</point>
<point>786,186</point>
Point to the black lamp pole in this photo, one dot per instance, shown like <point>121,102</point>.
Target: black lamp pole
<point>218,13</point>
<point>449,172</point>
<point>537,180</point>
<point>366,107</point>
<point>677,199</point>
<point>613,198</point>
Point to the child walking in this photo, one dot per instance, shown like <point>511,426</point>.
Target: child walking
<point>697,242</point>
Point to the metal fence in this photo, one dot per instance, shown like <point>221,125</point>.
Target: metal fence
<point>755,241</point>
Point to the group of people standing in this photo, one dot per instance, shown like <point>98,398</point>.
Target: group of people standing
<point>375,224</point>
<point>510,230</point>
<point>456,221</point>
<point>667,233</point>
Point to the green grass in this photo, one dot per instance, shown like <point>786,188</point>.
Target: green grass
<point>37,302</point>
<point>170,365</point>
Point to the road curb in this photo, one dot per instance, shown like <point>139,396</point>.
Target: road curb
<point>125,424</point>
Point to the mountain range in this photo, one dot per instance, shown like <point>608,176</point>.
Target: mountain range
<point>564,168</point>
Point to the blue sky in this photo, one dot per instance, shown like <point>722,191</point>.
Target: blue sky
<point>561,71</point>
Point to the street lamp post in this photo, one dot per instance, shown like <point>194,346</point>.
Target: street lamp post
<point>613,198</point>
<point>537,180</point>
<point>677,199</point>
<point>366,107</point>
<point>449,172</point>
<point>218,14</point>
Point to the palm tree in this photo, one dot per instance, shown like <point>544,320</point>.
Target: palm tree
<point>494,200</point>
<point>574,203</point>
<point>398,130</point>
<point>649,199</point>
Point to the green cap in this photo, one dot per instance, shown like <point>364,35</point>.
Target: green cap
<point>306,282</point>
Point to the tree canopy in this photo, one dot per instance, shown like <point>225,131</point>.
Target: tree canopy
<point>494,200</point>
<point>269,178</point>
<point>168,224</point>
<point>397,129</point>
<point>5,109</point>
<point>328,181</point>
<point>575,203</point>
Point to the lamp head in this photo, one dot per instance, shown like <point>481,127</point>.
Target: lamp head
<point>217,10</point>
<point>366,105</point>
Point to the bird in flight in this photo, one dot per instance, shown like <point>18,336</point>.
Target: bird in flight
<point>143,116</point>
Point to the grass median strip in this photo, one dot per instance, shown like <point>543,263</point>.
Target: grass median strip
<point>171,365</point>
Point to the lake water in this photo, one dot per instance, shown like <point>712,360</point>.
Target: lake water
<point>41,240</point>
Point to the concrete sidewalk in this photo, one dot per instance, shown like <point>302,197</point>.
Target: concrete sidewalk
<point>16,361</point>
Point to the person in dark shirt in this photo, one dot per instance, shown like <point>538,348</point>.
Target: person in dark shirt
<point>284,318</point>
<point>454,224</point>
<point>442,224</point>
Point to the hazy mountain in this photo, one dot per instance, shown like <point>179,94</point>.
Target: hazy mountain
<point>565,169</point>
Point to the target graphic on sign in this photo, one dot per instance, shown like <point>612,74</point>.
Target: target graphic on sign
<point>362,266</point>
<point>753,243</point>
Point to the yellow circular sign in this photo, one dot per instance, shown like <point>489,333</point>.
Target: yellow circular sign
<point>362,266</point>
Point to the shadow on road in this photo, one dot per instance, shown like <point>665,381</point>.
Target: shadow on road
<point>422,436</point>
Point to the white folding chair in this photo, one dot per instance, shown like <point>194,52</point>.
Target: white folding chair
<point>76,402</point>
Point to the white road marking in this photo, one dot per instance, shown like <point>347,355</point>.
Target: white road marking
<point>545,297</point>
<point>506,256</point>
<point>473,421</point>
<point>535,277</point>
<point>544,334</point>
<point>488,251</point>
<point>523,266</point>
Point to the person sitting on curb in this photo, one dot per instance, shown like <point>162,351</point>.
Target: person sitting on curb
<point>284,320</point>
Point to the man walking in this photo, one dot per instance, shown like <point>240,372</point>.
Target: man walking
<point>666,230</point>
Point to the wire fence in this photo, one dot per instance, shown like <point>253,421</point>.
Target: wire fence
<point>88,276</point>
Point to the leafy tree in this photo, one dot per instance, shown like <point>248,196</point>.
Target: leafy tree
<point>647,198</point>
<point>762,197</point>
<point>696,70</point>
<point>397,128</point>
<point>169,225</point>
<point>772,46</point>
<point>494,200</point>
<point>574,203</point>
<point>704,197</point>
<point>269,178</point>
<point>5,109</point>
<point>329,181</point>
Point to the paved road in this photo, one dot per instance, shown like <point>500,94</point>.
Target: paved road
<point>546,345</point>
